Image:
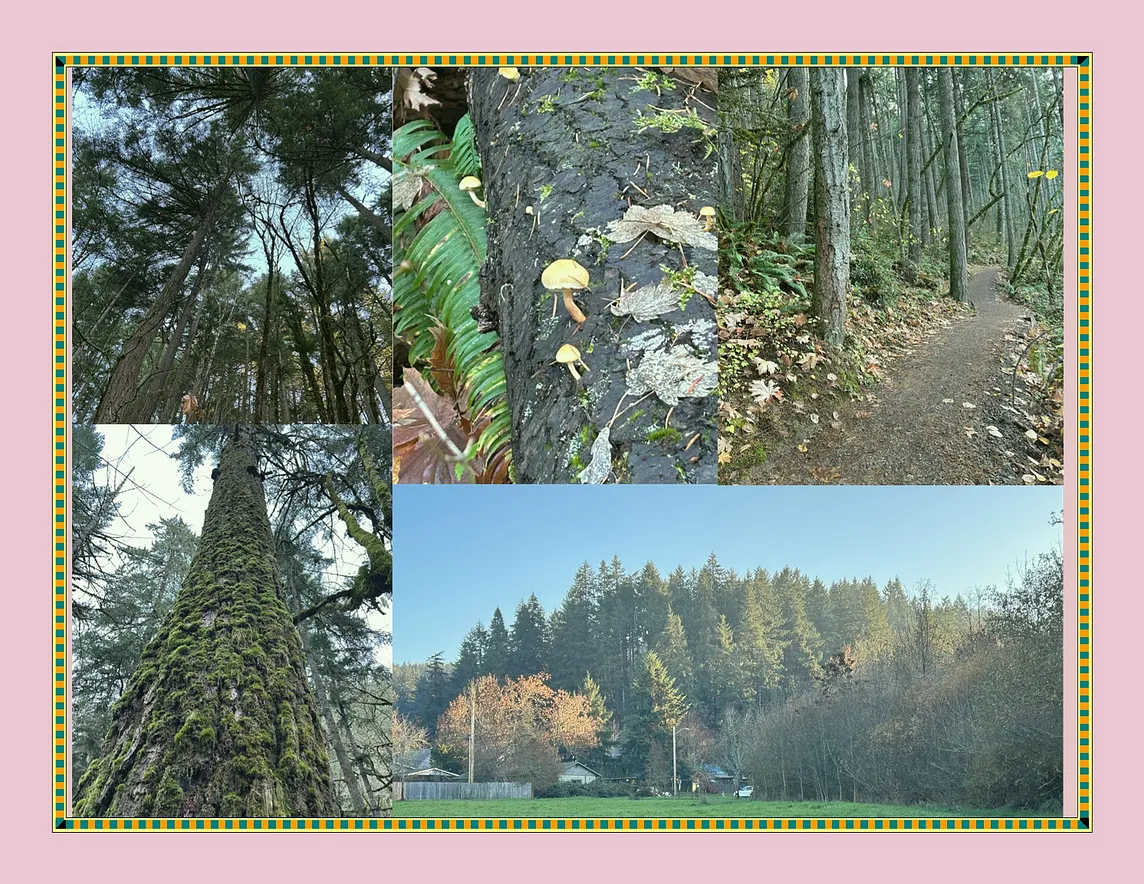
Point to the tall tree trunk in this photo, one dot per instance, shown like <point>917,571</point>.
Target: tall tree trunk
<point>730,181</point>
<point>914,149</point>
<point>831,203</point>
<point>958,269</point>
<point>218,720</point>
<point>175,391</point>
<point>261,411</point>
<point>798,163</point>
<point>853,136</point>
<point>933,210</point>
<point>161,379</point>
<point>869,140</point>
<point>1002,164</point>
<point>962,156</point>
<point>118,404</point>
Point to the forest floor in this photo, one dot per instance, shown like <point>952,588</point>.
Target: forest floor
<point>723,806</point>
<point>959,408</point>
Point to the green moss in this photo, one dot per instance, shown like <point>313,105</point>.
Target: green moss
<point>665,435</point>
<point>754,456</point>
<point>169,798</point>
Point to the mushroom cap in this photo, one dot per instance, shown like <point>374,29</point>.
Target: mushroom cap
<point>567,354</point>
<point>564,274</point>
<point>509,73</point>
<point>470,182</point>
<point>707,211</point>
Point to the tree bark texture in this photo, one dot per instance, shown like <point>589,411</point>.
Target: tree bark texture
<point>218,720</point>
<point>568,145</point>
<point>832,202</point>
<point>958,264</point>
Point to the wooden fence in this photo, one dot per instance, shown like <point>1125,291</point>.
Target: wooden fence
<point>412,791</point>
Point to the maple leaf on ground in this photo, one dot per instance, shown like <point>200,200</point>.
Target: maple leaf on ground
<point>764,391</point>
<point>665,223</point>
<point>732,320</point>
<point>765,366</point>
<point>724,450</point>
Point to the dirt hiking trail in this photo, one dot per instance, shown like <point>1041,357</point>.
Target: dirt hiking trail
<point>937,420</point>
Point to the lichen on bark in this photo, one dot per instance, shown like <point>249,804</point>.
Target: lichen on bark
<point>218,720</point>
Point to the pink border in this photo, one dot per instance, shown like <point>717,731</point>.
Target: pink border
<point>981,26</point>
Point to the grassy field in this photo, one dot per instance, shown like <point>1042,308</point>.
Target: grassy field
<point>684,806</point>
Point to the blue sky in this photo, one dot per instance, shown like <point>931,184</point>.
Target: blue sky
<point>459,552</point>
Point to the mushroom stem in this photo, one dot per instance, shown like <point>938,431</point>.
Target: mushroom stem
<point>572,368</point>
<point>573,311</point>
<point>479,202</point>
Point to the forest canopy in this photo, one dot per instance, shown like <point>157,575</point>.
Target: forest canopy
<point>231,245</point>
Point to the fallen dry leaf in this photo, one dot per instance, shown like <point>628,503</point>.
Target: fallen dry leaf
<point>665,223</point>
<point>647,302</point>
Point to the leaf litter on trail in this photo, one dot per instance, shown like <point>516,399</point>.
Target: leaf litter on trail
<point>665,223</point>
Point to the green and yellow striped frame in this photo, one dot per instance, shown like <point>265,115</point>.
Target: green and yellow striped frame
<point>61,821</point>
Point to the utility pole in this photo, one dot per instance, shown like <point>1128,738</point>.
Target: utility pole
<point>674,775</point>
<point>472,724</point>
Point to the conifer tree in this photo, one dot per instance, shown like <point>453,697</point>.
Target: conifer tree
<point>528,642</point>
<point>496,654</point>
<point>218,720</point>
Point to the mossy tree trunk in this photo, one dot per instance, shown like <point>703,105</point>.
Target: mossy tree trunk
<point>218,721</point>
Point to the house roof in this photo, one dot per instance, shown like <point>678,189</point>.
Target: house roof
<point>432,772</point>
<point>713,770</point>
<point>567,766</point>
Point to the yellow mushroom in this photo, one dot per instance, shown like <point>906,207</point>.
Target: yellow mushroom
<point>567,276</point>
<point>570,356</point>
<point>510,74</point>
<point>707,213</point>
<point>469,184</point>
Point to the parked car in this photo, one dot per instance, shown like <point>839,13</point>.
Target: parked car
<point>745,792</point>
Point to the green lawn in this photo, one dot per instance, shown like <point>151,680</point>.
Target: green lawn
<point>684,806</point>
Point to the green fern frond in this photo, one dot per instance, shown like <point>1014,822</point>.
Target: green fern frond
<point>440,280</point>
<point>465,158</point>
